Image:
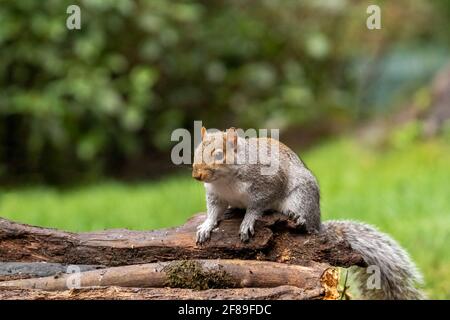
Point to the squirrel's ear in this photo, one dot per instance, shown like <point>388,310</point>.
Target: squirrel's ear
<point>232,136</point>
<point>203,131</point>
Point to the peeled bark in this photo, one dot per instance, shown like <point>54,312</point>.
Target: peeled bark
<point>25,270</point>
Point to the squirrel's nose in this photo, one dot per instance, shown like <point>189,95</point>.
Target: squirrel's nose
<point>197,175</point>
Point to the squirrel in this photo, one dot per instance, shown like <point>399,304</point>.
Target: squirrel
<point>222,163</point>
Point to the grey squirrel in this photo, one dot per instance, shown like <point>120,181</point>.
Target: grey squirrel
<point>222,163</point>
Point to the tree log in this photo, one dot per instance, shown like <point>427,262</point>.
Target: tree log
<point>116,293</point>
<point>193,274</point>
<point>276,239</point>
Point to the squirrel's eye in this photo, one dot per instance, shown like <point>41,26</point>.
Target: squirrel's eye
<point>218,155</point>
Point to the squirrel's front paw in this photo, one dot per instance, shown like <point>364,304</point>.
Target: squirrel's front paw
<point>204,232</point>
<point>247,230</point>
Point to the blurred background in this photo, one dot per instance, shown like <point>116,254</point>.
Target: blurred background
<point>86,115</point>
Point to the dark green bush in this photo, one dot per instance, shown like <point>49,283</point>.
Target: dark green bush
<point>79,102</point>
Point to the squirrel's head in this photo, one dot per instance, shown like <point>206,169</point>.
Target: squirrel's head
<point>215,155</point>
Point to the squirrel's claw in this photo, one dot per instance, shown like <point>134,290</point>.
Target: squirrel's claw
<point>202,236</point>
<point>204,232</point>
<point>244,237</point>
<point>246,232</point>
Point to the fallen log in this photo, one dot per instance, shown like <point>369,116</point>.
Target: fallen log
<point>171,258</point>
<point>194,274</point>
<point>120,293</point>
<point>276,239</point>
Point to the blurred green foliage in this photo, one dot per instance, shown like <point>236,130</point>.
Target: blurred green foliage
<point>76,103</point>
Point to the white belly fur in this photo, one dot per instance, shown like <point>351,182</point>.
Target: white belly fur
<point>235,194</point>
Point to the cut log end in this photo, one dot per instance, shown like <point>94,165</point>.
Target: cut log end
<point>330,283</point>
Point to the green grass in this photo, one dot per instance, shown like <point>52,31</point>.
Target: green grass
<point>106,205</point>
<point>405,192</point>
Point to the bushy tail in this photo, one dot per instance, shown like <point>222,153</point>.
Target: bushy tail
<point>398,273</point>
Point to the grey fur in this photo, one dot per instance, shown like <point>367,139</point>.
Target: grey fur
<point>293,190</point>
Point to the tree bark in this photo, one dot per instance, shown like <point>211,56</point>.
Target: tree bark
<point>276,239</point>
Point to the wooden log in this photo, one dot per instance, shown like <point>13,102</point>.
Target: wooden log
<point>194,274</point>
<point>275,240</point>
<point>120,293</point>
